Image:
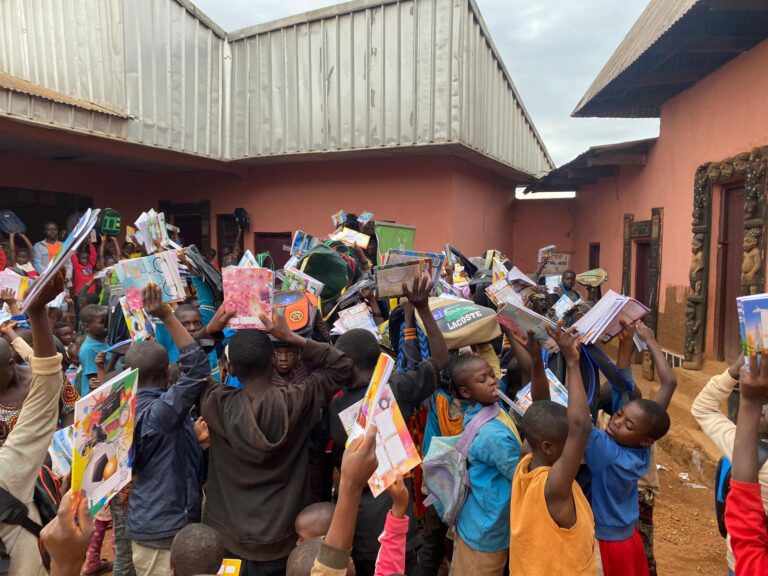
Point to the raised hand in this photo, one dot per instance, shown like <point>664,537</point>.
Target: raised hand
<point>530,344</point>
<point>568,342</point>
<point>644,332</point>
<point>7,295</point>
<point>65,540</point>
<point>418,293</point>
<point>52,289</point>
<point>220,319</point>
<point>754,380</point>
<point>400,497</point>
<point>152,297</point>
<point>277,326</point>
<point>359,461</point>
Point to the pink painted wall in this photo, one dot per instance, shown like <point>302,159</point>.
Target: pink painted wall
<point>721,116</point>
<point>538,223</point>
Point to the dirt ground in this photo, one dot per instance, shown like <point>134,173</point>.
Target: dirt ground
<point>687,540</point>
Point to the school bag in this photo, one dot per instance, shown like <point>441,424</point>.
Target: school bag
<point>10,222</point>
<point>109,222</point>
<point>47,498</point>
<point>723,483</point>
<point>445,471</point>
<point>462,322</point>
<point>335,268</point>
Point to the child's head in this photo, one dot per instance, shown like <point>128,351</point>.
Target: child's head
<point>82,257</point>
<point>639,423</point>
<point>545,424</point>
<point>94,319</point>
<point>109,260</point>
<point>302,559</point>
<point>249,355</point>
<point>73,350</point>
<point>51,231</point>
<point>286,358</point>
<point>189,317</point>
<point>88,298</point>
<point>568,279</point>
<point>128,248</point>
<point>22,256</point>
<point>7,363</point>
<point>314,521</point>
<point>64,332</point>
<point>151,359</point>
<point>362,347</point>
<point>55,315</point>
<point>197,549</point>
<point>475,380</point>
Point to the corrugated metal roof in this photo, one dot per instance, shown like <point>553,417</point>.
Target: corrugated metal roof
<point>673,45</point>
<point>656,19</point>
<point>362,75</point>
<point>26,87</point>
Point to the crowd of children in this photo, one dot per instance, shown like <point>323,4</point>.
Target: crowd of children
<point>241,451</point>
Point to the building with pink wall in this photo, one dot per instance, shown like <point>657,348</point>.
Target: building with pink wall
<point>699,66</point>
<point>399,107</point>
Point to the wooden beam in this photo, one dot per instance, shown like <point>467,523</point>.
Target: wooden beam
<point>709,44</point>
<point>738,6</point>
<point>618,160</point>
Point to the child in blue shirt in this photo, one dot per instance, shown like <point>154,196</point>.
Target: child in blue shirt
<point>619,456</point>
<point>94,318</point>
<point>483,523</point>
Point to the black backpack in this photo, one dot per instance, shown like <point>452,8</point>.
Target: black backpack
<point>13,511</point>
<point>723,483</point>
<point>10,222</point>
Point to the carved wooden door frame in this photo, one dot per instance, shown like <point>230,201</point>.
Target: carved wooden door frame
<point>634,230</point>
<point>751,166</point>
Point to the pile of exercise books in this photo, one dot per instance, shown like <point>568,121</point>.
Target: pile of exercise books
<point>521,320</point>
<point>151,231</point>
<point>557,393</point>
<point>603,321</point>
<point>357,316</point>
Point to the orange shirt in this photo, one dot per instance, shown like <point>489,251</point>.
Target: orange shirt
<point>53,249</point>
<point>537,545</point>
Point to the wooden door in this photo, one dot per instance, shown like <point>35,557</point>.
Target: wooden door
<point>191,230</point>
<point>274,243</point>
<point>594,255</point>
<point>642,268</point>
<point>730,252</point>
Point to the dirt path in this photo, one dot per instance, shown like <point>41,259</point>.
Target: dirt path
<point>686,537</point>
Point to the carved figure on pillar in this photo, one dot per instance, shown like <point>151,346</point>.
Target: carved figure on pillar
<point>696,272</point>
<point>752,263</point>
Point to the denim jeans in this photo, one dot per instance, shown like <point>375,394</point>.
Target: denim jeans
<point>123,564</point>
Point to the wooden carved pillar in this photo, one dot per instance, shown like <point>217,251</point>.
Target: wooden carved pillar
<point>626,268</point>
<point>696,305</point>
<point>752,266</point>
<point>654,270</point>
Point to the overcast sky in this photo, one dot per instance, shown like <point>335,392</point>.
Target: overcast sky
<point>552,48</point>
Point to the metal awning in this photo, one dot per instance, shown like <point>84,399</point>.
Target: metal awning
<point>597,162</point>
<point>22,86</point>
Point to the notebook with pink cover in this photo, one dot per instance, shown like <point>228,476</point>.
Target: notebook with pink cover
<point>249,291</point>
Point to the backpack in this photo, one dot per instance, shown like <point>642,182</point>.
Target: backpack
<point>47,498</point>
<point>445,469</point>
<point>109,222</point>
<point>462,322</point>
<point>723,483</point>
<point>10,222</point>
<point>334,268</point>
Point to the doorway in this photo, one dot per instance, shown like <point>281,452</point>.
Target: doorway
<point>594,255</point>
<point>193,219</point>
<point>274,243</point>
<point>191,230</point>
<point>729,257</point>
<point>642,270</point>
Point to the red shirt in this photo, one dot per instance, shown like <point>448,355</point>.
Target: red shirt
<point>81,275</point>
<point>746,522</point>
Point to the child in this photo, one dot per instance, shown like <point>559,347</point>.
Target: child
<point>94,319</point>
<point>482,527</point>
<point>197,549</point>
<point>26,448</point>
<point>64,333</point>
<point>168,459</point>
<point>617,458</point>
<point>314,521</point>
<point>20,258</point>
<point>745,516</point>
<point>391,559</point>
<point>257,471</point>
<point>706,408</point>
<point>552,531</point>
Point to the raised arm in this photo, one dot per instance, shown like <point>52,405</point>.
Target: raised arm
<point>27,444</point>
<point>666,376</point>
<point>558,490</point>
<point>539,383</point>
<point>754,390</point>
<point>11,249</point>
<point>626,346</point>
<point>178,400</point>
<point>418,296</point>
<point>102,247</point>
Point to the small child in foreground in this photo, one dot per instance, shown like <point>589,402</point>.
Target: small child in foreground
<point>314,521</point>
<point>552,530</point>
<point>745,516</point>
<point>197,549</point>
